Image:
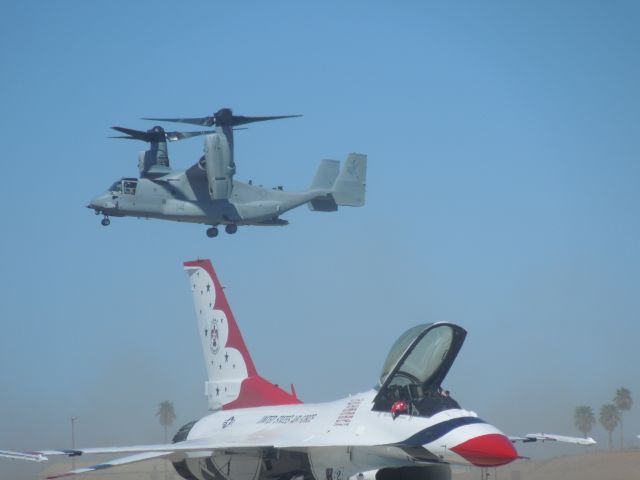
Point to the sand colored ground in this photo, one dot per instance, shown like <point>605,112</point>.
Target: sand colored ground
<point>621,465</point>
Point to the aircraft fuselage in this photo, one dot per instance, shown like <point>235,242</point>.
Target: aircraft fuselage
<point>337,440</point>
<point>174,197</point>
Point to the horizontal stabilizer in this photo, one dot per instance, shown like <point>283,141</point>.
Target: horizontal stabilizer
<point>323,204</point>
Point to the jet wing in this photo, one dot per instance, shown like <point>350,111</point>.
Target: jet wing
<point>138,457</point>
<point>549,437</point>
<point>168,448</point>
<point>188,448</point>
<point>33,456</point>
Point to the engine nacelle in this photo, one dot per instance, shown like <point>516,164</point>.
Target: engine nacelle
<point>219,164</point>
<point>155,161</point>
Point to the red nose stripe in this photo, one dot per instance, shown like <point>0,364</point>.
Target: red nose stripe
<point>490,450</point>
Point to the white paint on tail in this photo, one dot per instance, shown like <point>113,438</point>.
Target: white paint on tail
<point>233,381</point>
<point>226,365</point>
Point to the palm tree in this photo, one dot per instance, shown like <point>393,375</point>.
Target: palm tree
<point>609,418</point>
<point>583,419</point>
<point>623,402</point>
<point>167,416</point>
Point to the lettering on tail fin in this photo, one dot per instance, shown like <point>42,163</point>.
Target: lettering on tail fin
<point>233,381</point>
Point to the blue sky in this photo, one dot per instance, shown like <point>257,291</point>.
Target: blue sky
<point>503,194</point>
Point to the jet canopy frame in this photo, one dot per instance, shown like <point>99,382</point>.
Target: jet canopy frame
<point>416,365</point>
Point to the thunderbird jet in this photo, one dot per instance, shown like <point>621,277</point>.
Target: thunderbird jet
<point>207,192</point>
<point>406,428</point>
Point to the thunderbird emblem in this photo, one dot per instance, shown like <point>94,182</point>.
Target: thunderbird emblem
<point>214,337</point>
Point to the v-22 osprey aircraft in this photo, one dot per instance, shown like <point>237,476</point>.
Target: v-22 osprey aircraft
<point>406,428</point>
<point>207,192</point>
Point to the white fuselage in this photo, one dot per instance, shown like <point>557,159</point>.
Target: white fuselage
<point>341,438</point>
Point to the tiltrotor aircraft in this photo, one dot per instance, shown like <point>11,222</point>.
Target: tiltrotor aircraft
<point>406,428</point>
<point>207,192</point>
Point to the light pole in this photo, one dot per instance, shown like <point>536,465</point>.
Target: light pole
<point>73,441</point>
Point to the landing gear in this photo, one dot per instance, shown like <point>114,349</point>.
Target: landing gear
<point>212,232</point>
<point>105,221</point>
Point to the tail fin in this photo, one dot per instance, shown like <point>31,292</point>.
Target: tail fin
<point>349,187</point>
<point>233,381</point>
<point>346,187</point>
<point>326,175</point>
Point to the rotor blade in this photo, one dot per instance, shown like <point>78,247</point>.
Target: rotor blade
<point>133,134</point>
<point>175,136</point>
<point>158,135</point>
<point>204,121</point>
<point>241,120</point>
<point>222,118</point>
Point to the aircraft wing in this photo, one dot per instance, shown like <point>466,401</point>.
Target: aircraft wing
<point>186,446</point>
<point>33,456</point>
<point>138,457</point>
<point>139,453</point>
<point>549,437</point>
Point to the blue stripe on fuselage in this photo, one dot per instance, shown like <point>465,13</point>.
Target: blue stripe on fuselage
<point>438,430</point>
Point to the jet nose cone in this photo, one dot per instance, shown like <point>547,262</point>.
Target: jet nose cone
<point>491,450</point>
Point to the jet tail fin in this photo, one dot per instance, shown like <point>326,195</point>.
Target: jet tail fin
<point>233,381</point>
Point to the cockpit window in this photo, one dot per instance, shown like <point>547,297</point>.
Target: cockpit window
<point>125,185</point>
<point>416,366</point>
<point>129,186</point>
<point>427,356</point>
<point>398,348</point>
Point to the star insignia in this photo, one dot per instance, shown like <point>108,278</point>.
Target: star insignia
<point>208,287</point>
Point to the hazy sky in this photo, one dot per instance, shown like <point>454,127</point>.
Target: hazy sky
<point>503,195</point>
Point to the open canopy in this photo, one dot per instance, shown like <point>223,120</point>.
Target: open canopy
<point>419,360</point>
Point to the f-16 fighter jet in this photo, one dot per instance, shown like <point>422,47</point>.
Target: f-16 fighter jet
<point>407,427</point>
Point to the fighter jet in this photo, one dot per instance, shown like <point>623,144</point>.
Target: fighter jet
<point>407,427</point>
